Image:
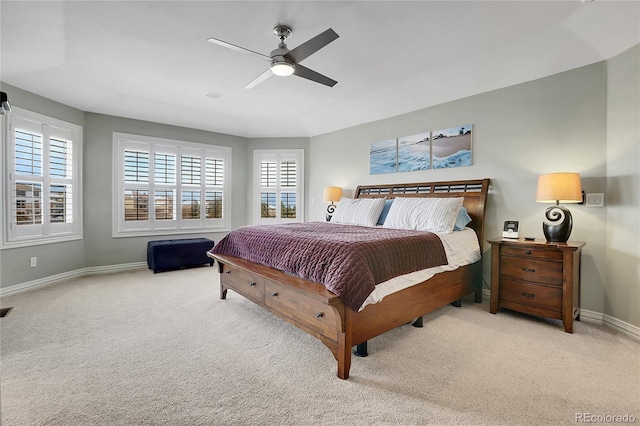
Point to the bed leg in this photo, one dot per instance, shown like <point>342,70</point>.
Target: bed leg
<point>417,323</point>
<point>478,296</point>
<point>223,291</point>
<point>457,303</point>
<point>344,355</point>
<point>361,350</point>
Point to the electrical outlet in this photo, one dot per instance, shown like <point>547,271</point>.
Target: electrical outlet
<point>33,262</point>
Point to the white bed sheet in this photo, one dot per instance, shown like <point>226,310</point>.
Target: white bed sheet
<point>462,249</point>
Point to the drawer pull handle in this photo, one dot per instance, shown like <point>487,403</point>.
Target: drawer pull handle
<point>528,270</point>
<point>528,294</point>
<point>319,315</point>
<point>274,294</point>
<point>227,272</point>
<point>252,284</point>
<point>528,252</point>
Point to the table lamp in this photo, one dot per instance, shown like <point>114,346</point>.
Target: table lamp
<point>331,194</point>
<point>558,188</point>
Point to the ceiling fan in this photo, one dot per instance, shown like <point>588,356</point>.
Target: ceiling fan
<point>286,62</point>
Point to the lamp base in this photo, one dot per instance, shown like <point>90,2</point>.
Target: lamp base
<point>330,210</point>
<point>557,224</point>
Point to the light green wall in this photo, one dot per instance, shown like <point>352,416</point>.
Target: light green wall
<point>622,275</point>
<point>100,247</point>
<point>53,259</point>
<point>552,124</point>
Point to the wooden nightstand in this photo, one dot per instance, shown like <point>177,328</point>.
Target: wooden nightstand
<point>537,277</point>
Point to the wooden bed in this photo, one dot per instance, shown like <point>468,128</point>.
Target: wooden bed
<point>321,313</point>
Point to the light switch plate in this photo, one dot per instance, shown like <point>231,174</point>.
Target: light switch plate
<point>594,199</point>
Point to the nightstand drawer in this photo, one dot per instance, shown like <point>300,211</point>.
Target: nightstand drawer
<point>539,271</point>
<point>531,295</point>
<point>529,252</point>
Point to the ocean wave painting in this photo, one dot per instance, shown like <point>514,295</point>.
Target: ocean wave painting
<point>383,157</point>
<point>459,159</point>
<point>414,152</point>
<point>440,149</point>
<point>451,147</point>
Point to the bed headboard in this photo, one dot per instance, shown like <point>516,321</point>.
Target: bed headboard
<point>474,193</point>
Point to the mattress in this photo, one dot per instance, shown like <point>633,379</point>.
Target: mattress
<point>462,248</point>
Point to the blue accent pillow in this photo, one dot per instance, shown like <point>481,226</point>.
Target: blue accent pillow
<point>462,220</point>
<point>385,211</point>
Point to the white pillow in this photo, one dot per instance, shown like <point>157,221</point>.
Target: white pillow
<point>359,211</point>
<point>424,214</point>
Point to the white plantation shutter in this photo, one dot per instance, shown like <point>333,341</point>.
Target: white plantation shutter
<point>164,194</point>
<point>167,185</point>
<point>214,170</point>
<point>43,162</point>
<point>278,186</point>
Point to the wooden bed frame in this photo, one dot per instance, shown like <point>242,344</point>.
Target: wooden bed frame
<point>321,313</point>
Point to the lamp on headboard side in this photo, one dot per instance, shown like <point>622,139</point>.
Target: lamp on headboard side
<point>331,194</point>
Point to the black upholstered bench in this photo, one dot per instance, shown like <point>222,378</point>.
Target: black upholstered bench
<point>166,255</point>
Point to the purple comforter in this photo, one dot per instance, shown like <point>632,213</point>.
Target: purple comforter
<point>348,260</point>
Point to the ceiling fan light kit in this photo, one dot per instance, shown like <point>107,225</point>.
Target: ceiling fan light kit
<point>282,68</point>
<point>285,62</point>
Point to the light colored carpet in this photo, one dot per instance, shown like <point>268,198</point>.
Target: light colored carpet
<point>136,348</point>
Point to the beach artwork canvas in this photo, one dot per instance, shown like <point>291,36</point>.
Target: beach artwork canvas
<point>383,157</point>
<point>414,152</point>
<point>451,147</point>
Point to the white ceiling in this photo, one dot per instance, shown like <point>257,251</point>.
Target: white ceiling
<point>151,61</point>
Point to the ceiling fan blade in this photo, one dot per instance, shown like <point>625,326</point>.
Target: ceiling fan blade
<point>259,79</point>
<point>311,46</point>
<point>237,48</point>
<point>305,72</point>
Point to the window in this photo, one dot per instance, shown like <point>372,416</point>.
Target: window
<point>278,186</point>
<point>42,170</point>
<point>163,186</point>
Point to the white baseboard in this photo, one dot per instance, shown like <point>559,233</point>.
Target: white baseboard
<point>31,285</point>
<point>612,322</point>
<point>598,318</point>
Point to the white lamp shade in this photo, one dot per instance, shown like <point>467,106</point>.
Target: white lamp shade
<point>331,194</point>
<point>559,188</point>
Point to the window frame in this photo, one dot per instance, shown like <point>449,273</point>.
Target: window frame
<point>280,155</point>
<point>162,146</point>
<point>47,232</point>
